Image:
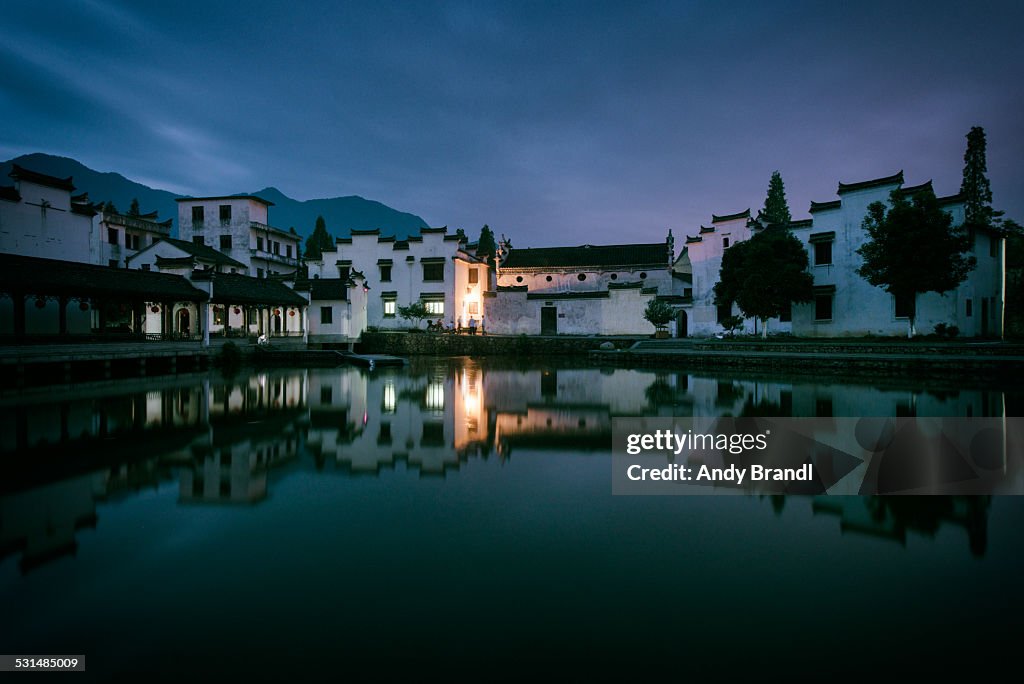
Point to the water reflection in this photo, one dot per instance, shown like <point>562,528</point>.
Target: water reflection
<point>224,441</point>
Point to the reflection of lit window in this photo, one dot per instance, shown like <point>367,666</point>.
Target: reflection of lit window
<point>435,396</point>
<point>389,398</point>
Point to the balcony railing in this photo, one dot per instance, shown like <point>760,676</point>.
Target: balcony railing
<point>270,256</point>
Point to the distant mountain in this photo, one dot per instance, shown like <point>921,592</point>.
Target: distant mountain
<point>342,214</point>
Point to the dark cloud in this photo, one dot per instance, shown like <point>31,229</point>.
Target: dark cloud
<point>554,122</point>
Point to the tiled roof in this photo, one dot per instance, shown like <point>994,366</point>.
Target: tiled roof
<point>234,288</point>
<point>730,217</point>
<point>254,198</point>
<point>895,179</point>
<point>329,288</point>
<point>50,276</point>
<point>914,189</point>
<point>21,173</point>
<point>824,206</point>
<point>203,252</point>
<point>601,256</point>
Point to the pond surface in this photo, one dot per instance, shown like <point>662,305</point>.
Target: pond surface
<point>455,518</point>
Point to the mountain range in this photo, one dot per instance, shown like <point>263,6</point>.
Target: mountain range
<point>342,214</point>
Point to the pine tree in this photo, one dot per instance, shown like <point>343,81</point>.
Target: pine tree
<point>319,240</point>
<point>975,187</point>
<point>776,209</point>
<point>133,210</point>
<point>486,246</point>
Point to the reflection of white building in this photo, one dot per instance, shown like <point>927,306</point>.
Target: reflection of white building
<point>844,303</point>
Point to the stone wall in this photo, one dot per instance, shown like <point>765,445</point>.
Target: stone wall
<point>412,344</point>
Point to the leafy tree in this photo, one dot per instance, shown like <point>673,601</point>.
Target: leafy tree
<point>975,187</point>
<point>133,210</point>
<point>110,208</point>
<point>776,209</point>
<point>913,248</point>
<point>658,313</point>
<point>732,323</point>
<point>765,275</point>
<point>416,311</point>
<point>486,246</point>
<point>319,240</point>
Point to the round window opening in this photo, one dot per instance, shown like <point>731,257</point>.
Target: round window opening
<point>548,279</point>
<point>643,274</point>
<point>615,276</point>
<point>519,279</point>
<point>582,276</point>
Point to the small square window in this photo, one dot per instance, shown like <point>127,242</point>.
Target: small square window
<point>225,213</point>
<point>474,307</point>
<point>112,236</point>
<point>385,273</point>
<point>389,308</point>
<point>474,276</point>
<point>326,315</point>
<point>725,243</point>
<point>435,308</point>
<point>225,242</point>
<point>433,272</point>
<point>197,214</point>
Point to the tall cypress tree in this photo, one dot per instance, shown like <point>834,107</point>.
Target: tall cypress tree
<point>486,247</point>
<point>319,240</point>
<point>776,209</point>
<point>975,186</point>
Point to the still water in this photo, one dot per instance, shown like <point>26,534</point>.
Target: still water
<point>455,518</point>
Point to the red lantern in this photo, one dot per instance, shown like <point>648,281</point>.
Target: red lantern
<point>83,306</point>
<point>237,310</point>
<point>40,302</point>
<point>277,312</point>
<point>291,313</point>
<point>155,308</point>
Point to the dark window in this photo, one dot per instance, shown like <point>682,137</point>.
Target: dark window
<point>549,278</point>
<point>433,434</point>
<point>643,275</point>
<point>326,315</point>
<point>259,272</point>
<point>723,311</point>
<point>969,308</point>
<point>823,408</point>
<point>688,292</point>
<point>903,305</point>
<point>384,436</point>
<point>225,213</point>
<point>787,314</point>
<point>434,272</point>
<point>198,239</point>
<point>112,236</point>
<point>225,242</point>
<point>822,253</point>
<point>145,267</point>
<point>823,307</point>
<point>197,214</point>
<point>277,248</point>
<point>385,273</point>
<point>259,243</point>
<point>288,251</point>
<point>993,246</point>
<point>474,276</point>
<point>581,277</point>
<point>725,243</point>
<point>326,394</point>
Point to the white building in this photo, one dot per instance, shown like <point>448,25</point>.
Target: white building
<point>844,303</point>
<point>433,268</point>
<point>39,217</point>
<point>582,290</point>
<point>238,225</point>
<point>115,238</point>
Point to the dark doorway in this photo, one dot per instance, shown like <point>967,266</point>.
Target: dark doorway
<point>277,324</point>
<point>549,320</point>
<point>184,326</point>
<point>681,324</point>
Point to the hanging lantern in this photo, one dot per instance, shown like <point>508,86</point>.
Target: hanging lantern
<point>83,306</point>
<point>155,308</point>
<point>277,312</point>
<point>40,302</point>
<point>291,313</point>
<point>237,310</point>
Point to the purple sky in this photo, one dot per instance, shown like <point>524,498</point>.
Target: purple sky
<point>556,123</point>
